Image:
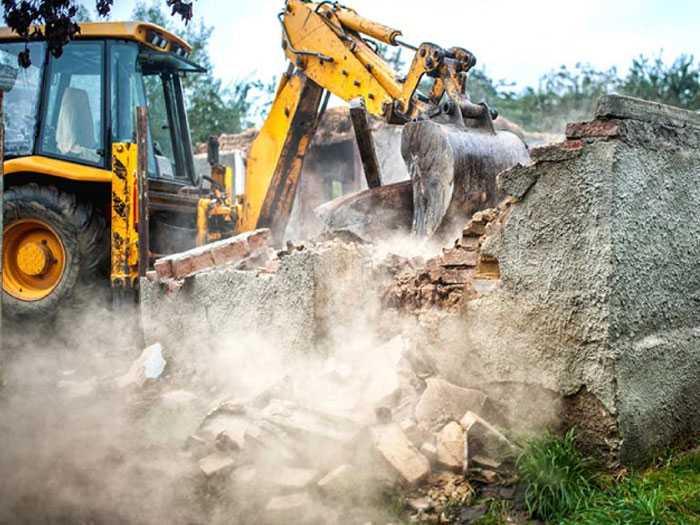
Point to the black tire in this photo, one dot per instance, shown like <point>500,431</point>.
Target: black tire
<point>83,233</point>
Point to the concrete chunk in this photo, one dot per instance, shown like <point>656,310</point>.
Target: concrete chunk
<point>450,447</point>
<point>485,440</point>
<point>618,106</point>
<point>443,401</point>
<point>149,366</point>
<point>216,463</point>
<point>309,423</point>
<point>393,445</point>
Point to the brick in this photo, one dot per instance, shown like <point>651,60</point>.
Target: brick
<point>258,238</point>
<point>455,275</point>
<point>192,262</point>
<point>234,249</point>
<point>459,257</point>
<point>163,268</point>
<point>560,152</point>
<point>229,250</point>
<point>474,229</point>
<point>593,129</point>
<point>470,243</point>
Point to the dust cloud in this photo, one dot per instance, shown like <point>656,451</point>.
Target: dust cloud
<point>234,426</point>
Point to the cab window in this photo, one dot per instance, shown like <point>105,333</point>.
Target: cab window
<point>21,102</point>
<point>160,118</point>
<point>127,93</point>
<point>73,115</point>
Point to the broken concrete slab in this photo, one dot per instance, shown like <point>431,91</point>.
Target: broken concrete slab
<point>442,401</point>
<point>309,423</point>
<point>217,463</point>
<point>450,447</point>
<point>486,440</point>
<point>396,449</point>
<point>623,107</point>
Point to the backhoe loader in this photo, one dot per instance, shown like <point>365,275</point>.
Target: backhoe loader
<point>99,171</point>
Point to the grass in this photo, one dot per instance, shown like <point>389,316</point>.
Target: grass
<point>558,478</point>
<point>669,494</point>
<point>563,488</point>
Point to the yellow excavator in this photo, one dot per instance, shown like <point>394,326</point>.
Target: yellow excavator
<point>99,173</point>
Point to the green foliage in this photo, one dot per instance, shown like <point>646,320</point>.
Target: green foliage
<point>659,496</point>
<point>557,476</point>
<point>677,84</point>
<point>212,108</point>
<point>566,95</point>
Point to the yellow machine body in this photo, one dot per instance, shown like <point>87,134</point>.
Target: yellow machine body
<point>125,216</point>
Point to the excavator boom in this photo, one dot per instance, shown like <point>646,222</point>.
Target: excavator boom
<point>450,146</point>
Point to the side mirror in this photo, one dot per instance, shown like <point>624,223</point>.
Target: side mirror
<point>213,150</point>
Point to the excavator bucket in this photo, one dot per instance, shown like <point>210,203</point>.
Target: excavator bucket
<point>453,171</point>
<point>453,168</point>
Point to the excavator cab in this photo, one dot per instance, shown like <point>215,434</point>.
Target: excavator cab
<point>63,117</point>
<point>89,99</point>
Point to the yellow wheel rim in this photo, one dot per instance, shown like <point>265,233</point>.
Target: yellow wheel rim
<point>33,260</point>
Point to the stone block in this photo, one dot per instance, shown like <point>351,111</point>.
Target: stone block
<point>398,452</point>
<point>451,447</point>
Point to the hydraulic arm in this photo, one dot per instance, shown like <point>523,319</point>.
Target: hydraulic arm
<point>330,47</point>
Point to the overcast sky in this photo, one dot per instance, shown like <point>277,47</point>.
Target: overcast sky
<point>516,40</point>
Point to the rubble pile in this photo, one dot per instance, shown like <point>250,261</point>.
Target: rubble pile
<point>319,443</point>
<point>461,273</point>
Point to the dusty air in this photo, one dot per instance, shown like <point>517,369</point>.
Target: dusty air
<point>382,287</point>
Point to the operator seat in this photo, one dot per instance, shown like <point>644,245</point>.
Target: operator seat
<point>75,131</point>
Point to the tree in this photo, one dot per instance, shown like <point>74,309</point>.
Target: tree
<point>677,84</point>
<point>56,20</point>
<point>212,108</point>
<point>569,94</point>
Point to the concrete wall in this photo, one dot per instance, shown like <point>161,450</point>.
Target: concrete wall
<point>315,298</point>
<point>600,279</point>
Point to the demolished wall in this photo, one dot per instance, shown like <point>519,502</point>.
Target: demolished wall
<point>599,278</point>
<point>575,301</point>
